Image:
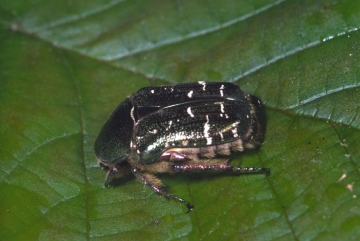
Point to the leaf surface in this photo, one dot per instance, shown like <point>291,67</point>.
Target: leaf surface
<point>64,66</point>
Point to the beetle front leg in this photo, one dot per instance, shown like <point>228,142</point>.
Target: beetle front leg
<point>201,166</point>
<point>110,175</point>
<point>155,184</point>
<point>115,171</point>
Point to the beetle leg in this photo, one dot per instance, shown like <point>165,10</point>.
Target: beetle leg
<point>115,172</point>
<point>110,175</point>
<point>193,167</point>
<point>155,184</point>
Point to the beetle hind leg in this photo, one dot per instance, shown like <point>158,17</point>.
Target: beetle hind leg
<point>155,184</point>
<point>217,165</point>
<point>251,170</point>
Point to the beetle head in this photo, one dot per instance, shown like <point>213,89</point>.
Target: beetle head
<point>113,142</point>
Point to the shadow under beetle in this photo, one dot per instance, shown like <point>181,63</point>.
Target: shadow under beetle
<point>190,127</point>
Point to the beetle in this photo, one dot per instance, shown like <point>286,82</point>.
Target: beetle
<point>188,127</point>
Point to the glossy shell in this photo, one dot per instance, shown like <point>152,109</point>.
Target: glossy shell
<point>198,115</point>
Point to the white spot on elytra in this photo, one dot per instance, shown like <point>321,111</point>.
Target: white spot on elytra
<point>247,116</point>
<point>153,131</point>
<point>206,131</point>
<point>189,112</point>
<point>235,124</point>
<point>222,108</point>
<point>190,94</point>
<point>203,83</point>
<point>132,114</point>
<point>222,87</point>
<point>234,130</point>
<point>221,135</point>
<point>152,91</point>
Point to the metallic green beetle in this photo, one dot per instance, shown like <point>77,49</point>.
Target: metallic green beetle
<point>190,127</point>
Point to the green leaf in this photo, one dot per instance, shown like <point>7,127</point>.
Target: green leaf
<point>65,65</point>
